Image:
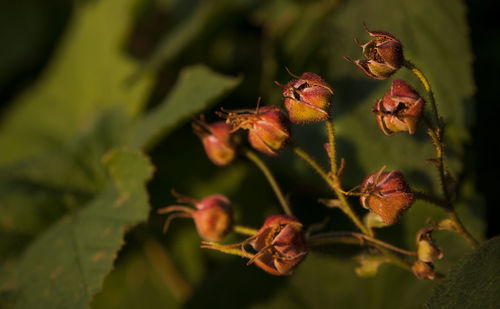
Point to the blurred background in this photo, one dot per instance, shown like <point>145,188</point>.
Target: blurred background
<point>454,41</point>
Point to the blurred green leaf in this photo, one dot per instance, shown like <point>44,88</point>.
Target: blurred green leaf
<point>473,283</point>
<point>65,266</point>
<point>85,77</point>
<point>197,88</point>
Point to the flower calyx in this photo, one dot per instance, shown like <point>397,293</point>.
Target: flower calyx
<point>217,140</point>
<point>212,215</point>
<point>387,194</point>
<point>280,245</point>
<point>307,98</point>
<point>268,127</point>
<point>383,53</point>
<point>399,110</point>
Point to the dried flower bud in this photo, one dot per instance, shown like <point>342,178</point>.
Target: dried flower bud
<point>268,128</point>
<point>387,194</point>
<point>424,270</point>
<point>399,110</point>
<point>307,98</point>
<point>280,245</point>
<point>384,55</point>
<point>427,251</point>
<point>216,139</point>
<point>213,215</point>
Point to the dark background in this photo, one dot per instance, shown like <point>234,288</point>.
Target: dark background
<point>30,29</point>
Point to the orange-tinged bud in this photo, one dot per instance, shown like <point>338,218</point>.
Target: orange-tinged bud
<point>268,128</point>
<point>280,245</point>
<point>217,141</point>
<point>387,194</point>
<point>307,99</point>
<point>213,215</point>
<point>384,55</point>
<point>399,110</point>
<point>424,270</point>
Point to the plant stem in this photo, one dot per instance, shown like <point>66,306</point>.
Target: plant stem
<point>243,230</point>
<point>425,82</point>
<point>346,208</point>
<point>437,138</point>
<point>331,142</point>
<point>352,238</point>
<point>165,268</point>
<point>270,178</point>
<point>229,249</point>
<point>461,230</point>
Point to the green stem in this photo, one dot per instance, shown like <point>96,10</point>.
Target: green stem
<point>345,206</point>
<point>425,82</point>
<point>461,230</point>
<point>229,249</point>
<point>163,265</point>
<point>430,198</point>
<point>331,141</point>
<point>270,178</point>
<point>436,135</point>
<point>243,230</point>
<point>352,238</point>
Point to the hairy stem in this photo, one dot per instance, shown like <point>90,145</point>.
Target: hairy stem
<point>461,230</point>
<point>353,238</point>
<point>270,178</point>
<point>425,82</point>
<point>243,230</point>
<point>344,205</point>
<point>331,143</point>
<point>436,134</point>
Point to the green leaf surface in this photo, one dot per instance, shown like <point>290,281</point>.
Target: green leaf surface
<point>197,88</point>
<point>65,266</point>
<point>86,76</point>
<point>474,282</point>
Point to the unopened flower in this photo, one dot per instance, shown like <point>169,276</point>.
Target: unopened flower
<point>427,251</point>
<point>307,98</point>
<point>268,127</point>
<point>280,245</point>
<point>384,55</point>
<point>217,141</point>
<point>213,215</point>
<point>424,270</point>
<point>399,110</point>
<point>387,194</point>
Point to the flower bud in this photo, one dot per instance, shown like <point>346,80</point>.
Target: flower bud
<point>268,128</point>
<point>424,270</point>
<point>427,251</point>
<point>384,55</point>
<point>213,216</point>
<point>399,110</point>
<point>280,245</point>
<point>387,194</point>
<point>307,99</point>
<point>216,139</point>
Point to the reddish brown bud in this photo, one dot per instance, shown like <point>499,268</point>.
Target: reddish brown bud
<point>213,215</point>
<point>307,98</point>
<point>384,55</point>
<point>423,270</point>
<point>399,110</point>
<point>216,139</point>
<point>427,251</point>
<point>280,245</point>
<point>387,194</point>
<point>268,128</point>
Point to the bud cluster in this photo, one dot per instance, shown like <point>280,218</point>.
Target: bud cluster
<point>427,253</point>
<point>281,244</point>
